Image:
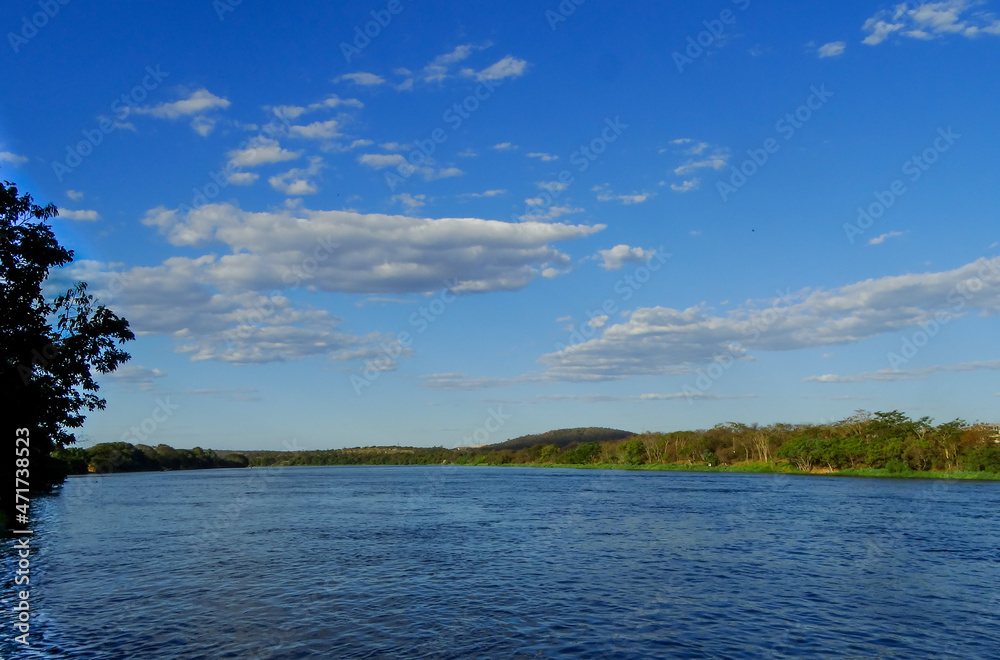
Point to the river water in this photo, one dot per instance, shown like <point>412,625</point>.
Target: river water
<point>463,562</point>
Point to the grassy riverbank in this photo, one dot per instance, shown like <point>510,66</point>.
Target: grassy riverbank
<point>771,468</point>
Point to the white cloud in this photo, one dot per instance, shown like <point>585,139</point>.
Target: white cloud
<point>298,181</point>
<point>686,186</point>
<point>832,49</point>
<point>243,178</point>
<point>334,101</point>
<point>508,67</point>
<point>336,147</point>
<point>503,146</point>
<point>197,103</point>
<point>261,151</point>
<point>931,20</point>
<point>411,202</point>
<point>878,240</point>
<point>467,153</point>
<point>544,157</point>
<point>486,193</point>
<point>550,213</point>
<point>553,186</point>
<point>75,195</point>
<point>361,78</point>
<point>661,340</point>
<point>440,66</point>
<point>8,157</point>
<point>136,376</point>
<point>619,255</point>
<point>604,194</point>
<point>316,130</point>
<point>716,161</point>
<point>86,216</point>
<point>203,125</point>
<point>367,253</point>
<point>383,161</point>
<point>888,375</point>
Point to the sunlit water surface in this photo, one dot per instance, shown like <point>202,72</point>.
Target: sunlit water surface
<point>449,562</point>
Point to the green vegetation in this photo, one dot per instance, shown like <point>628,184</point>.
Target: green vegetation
<point>865,444</point>
<point>50,349</point>
<point>110,457</point>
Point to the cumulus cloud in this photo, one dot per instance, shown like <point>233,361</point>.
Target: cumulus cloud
<point>179,299</point>
<point>503,146</point>
<point>243,178</point>
<point>717,160</point>
<point>197,103</point>
<point>486,193</point>
<point>661,340</point>
<point>203,125</point>
<point>508,67</point>
<point>429,173</point>
<point>411,202</point>
<point>316,130</point>
<point>85,216</point>
<point>261,151</point>
<point>832,49</point>
<point>298,181</point>
<point>75,195</point>
<point>361,78</point>
<point>544,157</point>
<point>686,186</point>
<point>619,255</point>
<point>14,159</point>
<point>365,253</point>
<point>931,20</point>
<point>604,194</point>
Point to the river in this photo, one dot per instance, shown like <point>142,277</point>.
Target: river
<point>464,562</point>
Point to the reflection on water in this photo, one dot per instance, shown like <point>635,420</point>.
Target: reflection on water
<point>449,562</point>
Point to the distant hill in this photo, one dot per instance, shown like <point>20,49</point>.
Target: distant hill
<point>562,437</point>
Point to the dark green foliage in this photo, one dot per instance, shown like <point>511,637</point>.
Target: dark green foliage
<point>50,347</point>
<point>110,457</point>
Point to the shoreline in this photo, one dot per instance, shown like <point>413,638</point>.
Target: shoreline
<point>760,468</point>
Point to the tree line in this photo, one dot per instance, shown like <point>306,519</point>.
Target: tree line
<point>108,457</point>
<point>889,441</point>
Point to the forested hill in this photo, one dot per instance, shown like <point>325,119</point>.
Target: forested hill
<point>562,438</point>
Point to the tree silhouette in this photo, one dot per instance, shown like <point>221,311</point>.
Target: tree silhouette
<point>49,349</point>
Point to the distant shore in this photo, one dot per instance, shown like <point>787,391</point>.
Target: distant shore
<point>763,468</point>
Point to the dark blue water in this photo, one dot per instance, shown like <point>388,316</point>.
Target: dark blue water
<point>448,562</point>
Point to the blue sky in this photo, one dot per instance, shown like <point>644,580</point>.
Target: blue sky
<point>659,218</point>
